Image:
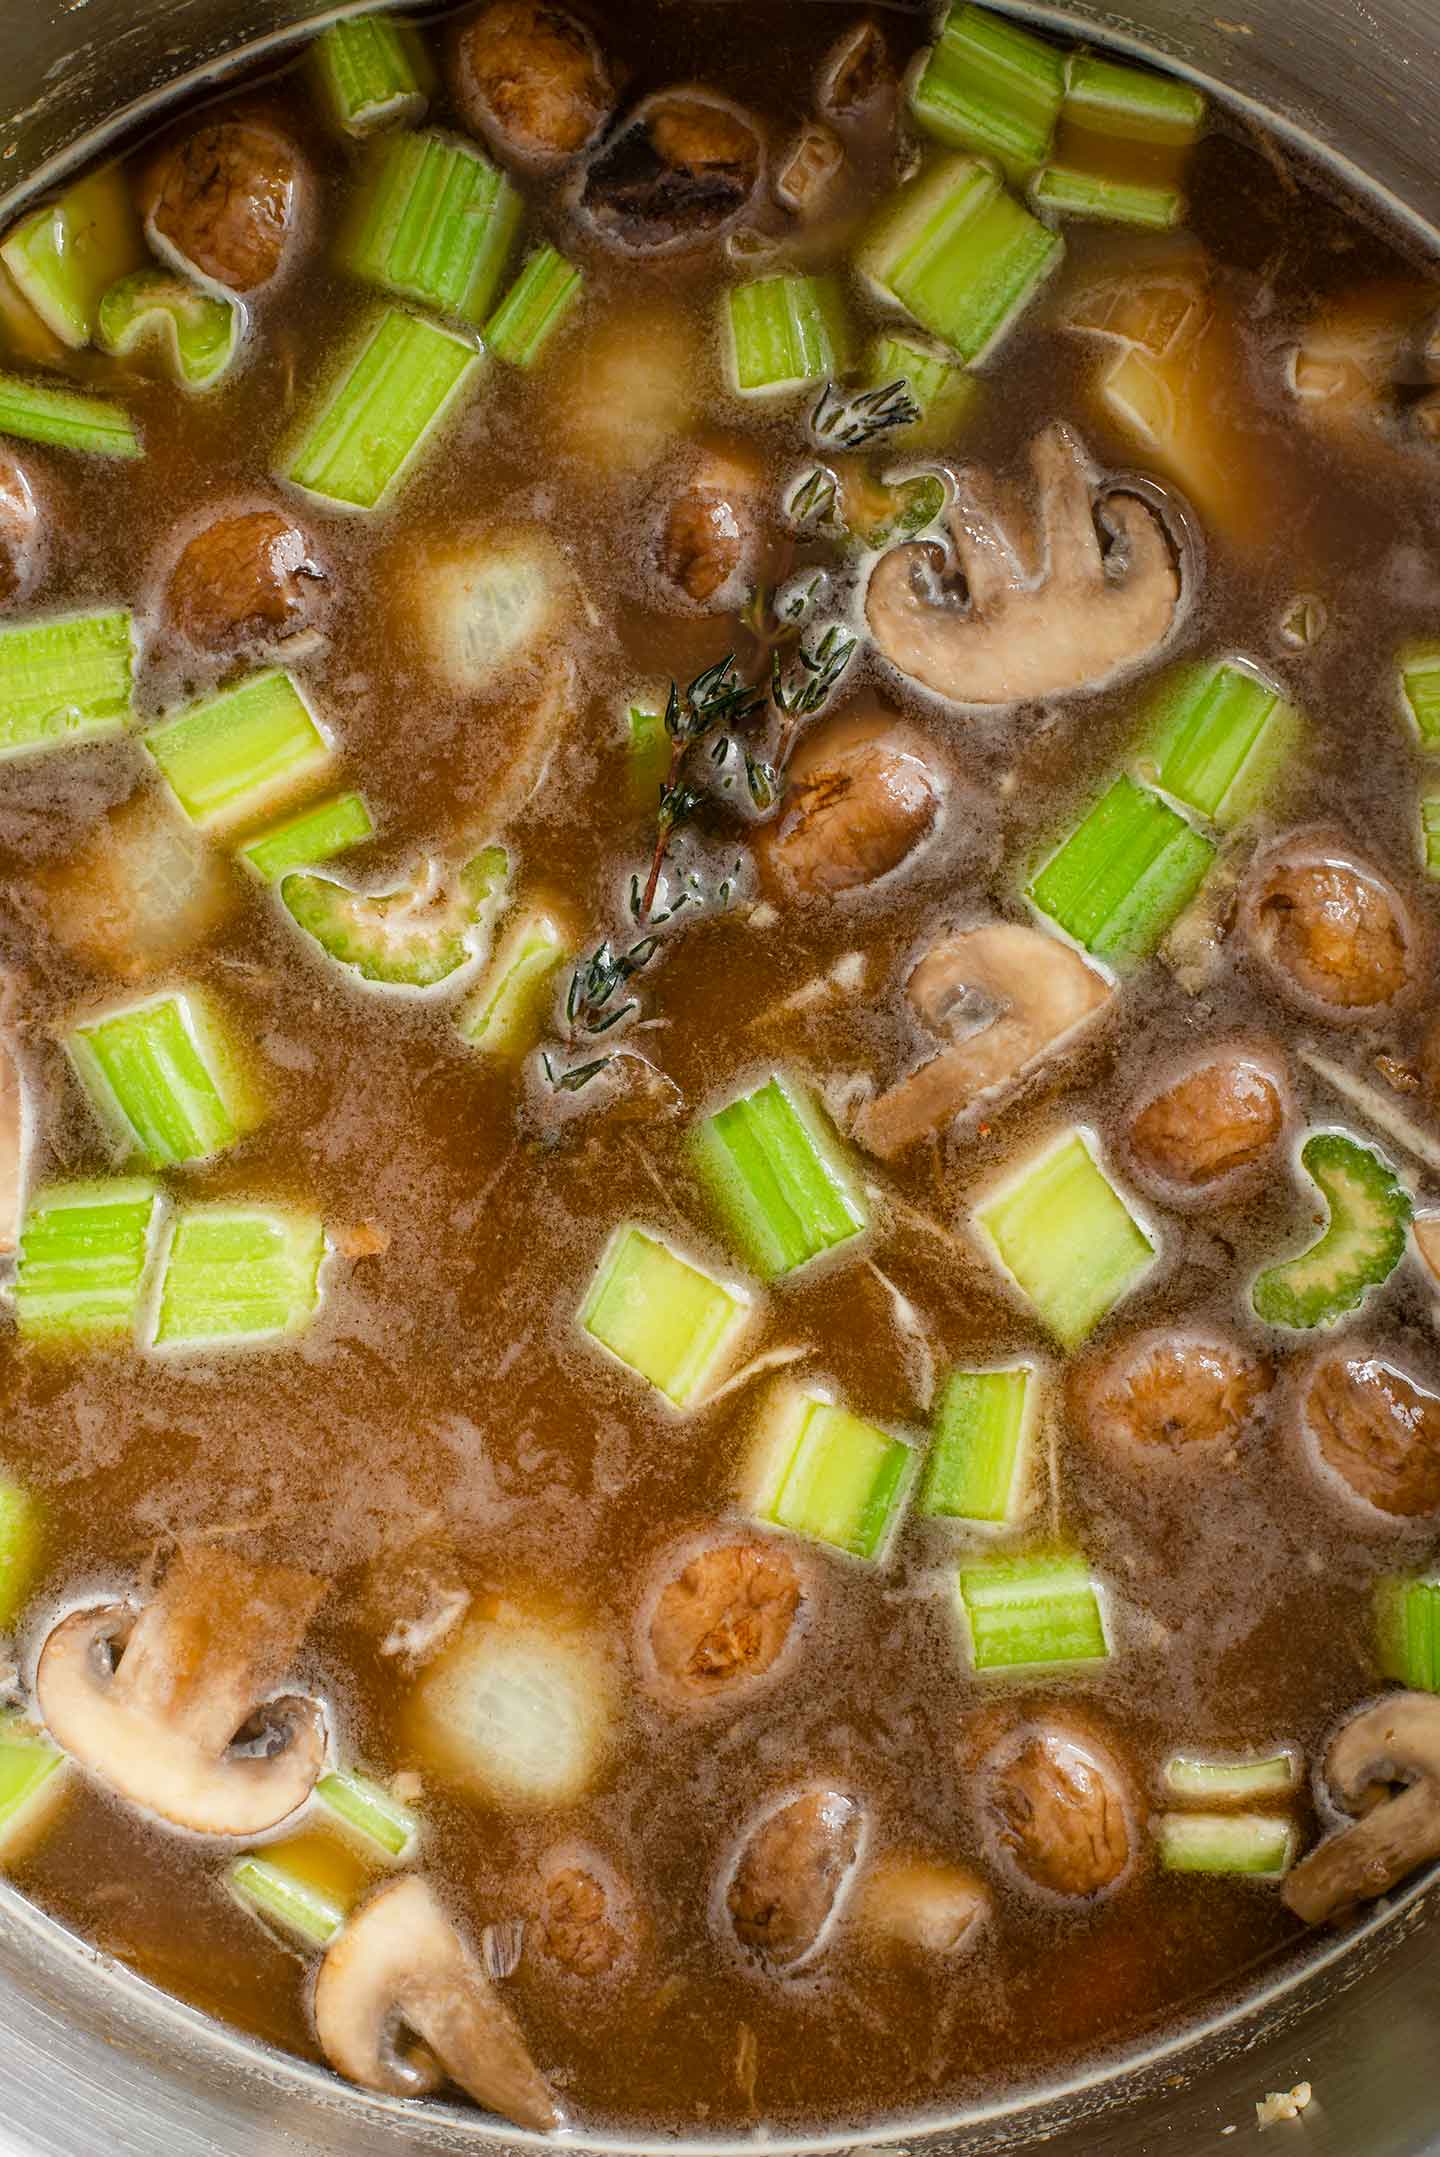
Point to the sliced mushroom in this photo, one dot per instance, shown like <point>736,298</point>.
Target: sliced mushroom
<point>712,532</point>
<point>1036,620</point>
<point>923,1904</point>
<point>1333,933</point>
<point>244,581</point>
<point>725,1620</point>
<point>808,170</point>
<point>1223,1116</point>
<point>19,529</point>
<point>1168,1391</point>
<point>1033,991</point>
<point>399,1966</point>
<point>580,1921</point>
<point>1061,1812</point>
<point>1377,1430</point>
<point>531,80</point>
<point>172,1707</point>
<point>791,1879</point>
<point>1396,1741</point>
<point>856,77</point>
<point>223,201</point>
<point>862,796</point>
<point>684,166</point>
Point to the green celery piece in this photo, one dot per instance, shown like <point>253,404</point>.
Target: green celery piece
<point>1124,875</point>
<point>65,255</point>
<point>370,73</point>
<point>64,679</point>
<point>879,513</point>
<point>786,333</point>
<point>84,1250</point>
<point>165,1079</point>
<point>435,222</point>
<point>235,755</point>
<point>947,395</point>
<point>368,1809</point>
<point>1032,1613</point>
<point>198,333</point>
<point>296,1905</point>
<point>20,1535</point>
<point>778,1174</point>
<point>1132,104</point>
<point>544,293</point>
<point>1067,1238</point>
<point>1407,1621</point>
<point>316,834</point>
<point>1420,687</point>
<point>65,418</point>
<point>1430,832</point>
<point>1217,738</point>
<point>503,1016</point>
<point>960,255</point>
<point>990,86</point>
<point>1071,192</point>
<point>1222,1781</point>
<point>979,1457</point>
<point>31,1779</point>
<point>650,748</point>
<point>235,1274</point>
<point>1260,1845</point>
<point>1364,1240</point>
<point>826,1474</point>
<point>412,936</point>
<point>661,1316</point>
<point>381,411</point>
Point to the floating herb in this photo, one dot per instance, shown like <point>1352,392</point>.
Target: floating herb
<point>590,1005</point>
<point>716,698</point>
<point>854,421</point>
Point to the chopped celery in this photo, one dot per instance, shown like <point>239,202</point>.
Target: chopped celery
<point>533,309</point>
<point>1218,1782</point>
<point>957,253</point>
<point>778,1174</point>
<point>275,1890</point>
<point>1066,1237</point>
<point>84,1249</point>
<point>239,1273</point>
<point>980,1456</point>
<point>1430,832</point>
<point>990,86</point>
<point>1132,104</point>
<point>1217,738</point>
<point>1071,192</point>
<point>660,1315</point>
<point>381,411</point>
<point>1259,1844</point>
<point>198,333</point>
<point>317,834</point>
<point>878,513</point>
<point>823,1473</point>
<point>435,222</point>
<point>67,254</point>
<point>1032,1613</point>
<point>1364,1240</point>
<point>165,1079</point>
<point>65,418</point>
<point>20,1529</point>
<point>32,1781</point>
<point>1420,685</point>
<point>650,748</point>
<point>1124,875</point>
<point>786,332</point>
<point>369,1810</point>
<point>946,394</point>
<point>64,679</point>
<point>503,1017</point>
<point>370,73</point>
<point>412,936</point>
<point>236,755</point>
<point>1407,1620</point>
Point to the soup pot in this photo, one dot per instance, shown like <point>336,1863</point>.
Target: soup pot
<point>97,2063</point>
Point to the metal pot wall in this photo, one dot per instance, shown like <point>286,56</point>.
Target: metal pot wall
<point>97,2062</point>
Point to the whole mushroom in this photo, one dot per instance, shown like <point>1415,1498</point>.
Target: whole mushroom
<point>532,80</point>
<point>1332,932</point>
<point>1397,1741</point>
<point>223,201</point>
<point>724,1620</point>
<point>792,1876</point>
<point>1060,1811</point>
<point>679,170</point>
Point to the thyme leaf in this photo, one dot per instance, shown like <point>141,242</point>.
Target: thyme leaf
<point>590,1000</point>
<point>804,687</point>
<point>854,421</point>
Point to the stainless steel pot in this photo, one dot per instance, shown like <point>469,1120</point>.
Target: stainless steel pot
<point>93,2063</point>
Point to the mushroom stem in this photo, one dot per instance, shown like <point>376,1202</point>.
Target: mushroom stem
<point>1397,1740</point>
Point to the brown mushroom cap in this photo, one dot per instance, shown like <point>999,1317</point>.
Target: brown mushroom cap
<point>244,580</point>
<point>530,79</point>
<point>222,201</point>
<point>169,1725</point>
<point>1060,1810</point>
<point>1166,1391</point>
<point>584,1919</point>
<point>399,1965</point>
<point>1395,1741</point>
<point>863,796</point>
<point>680,170</point>
<point>1219,1118</point>
<point>713,528</point>
<point>1333,933</point>
<point>792,1875</point>
<point>724,1620</point>
<point>1376,1430</point>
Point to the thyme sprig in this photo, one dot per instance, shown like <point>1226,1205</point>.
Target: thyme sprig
<point>716,698</point>
<point>590,1005</point>
<point>855,421</point>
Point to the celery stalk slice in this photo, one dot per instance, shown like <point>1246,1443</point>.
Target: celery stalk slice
<point>84,1253</point>
<point>435,222</point>
<point>65,255</point>
<point>370,75</point>
<point>1259,1845</point>
<point>20,1535</point>
<point>778,1174</point>
<point>1218,1782</point>
<point>33,1779</point>
<point>990,86</point>
<point>979,1460</point>
<point>823,1473</point>
<point>1066,1237</point>
<point>411,937</point>
<point>165,1078</point>
<point>384,408</point>
<point>1430,833</point>
<point>272,1892</point>
<point>236,755</point>
<point>1369,1213</point>
<point>785,333</point>
<point>66,419</point>
<point>1217,739</point>
<point>1032,1613</point>
<point>1071,192</point>
<point>947,395</point>
<point>198,333</point>
<point>331,827</point>
<point>544,293</point>
<point>369,1810</point>
<point>661,1316</point>
<point>236,1274</point>
<point>960,255</point>
<point>1420,688</point>
<point>64,679</point>
<point>1407,1622</point>
<point>1132,104</point>
<point>503,1017</point>
<point>1124,875</point>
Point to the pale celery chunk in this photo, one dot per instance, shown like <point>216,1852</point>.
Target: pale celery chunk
<point>1033,1613</point>
<point>64,679</point>
<point>1066,1237</point>
<point>503,1018</point>
<point>166,1079</point>
<point>66,418</point>
<point>435,222</point>
<point>960,255</point>
<point>315,834</point>
<point>824,1473</point>
<point>779,1176</point>
<point>236,755</point>
<point>384,407</point>
<point>980,1452</point>
<point>84,1253</point>
<point>1260,1845</point>
<point>34,1775</point>
<point>155,309</point>
<point>371,73</point>
<point>65,255</point>
<point>239,1274</point>
<point>661,1316</point>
